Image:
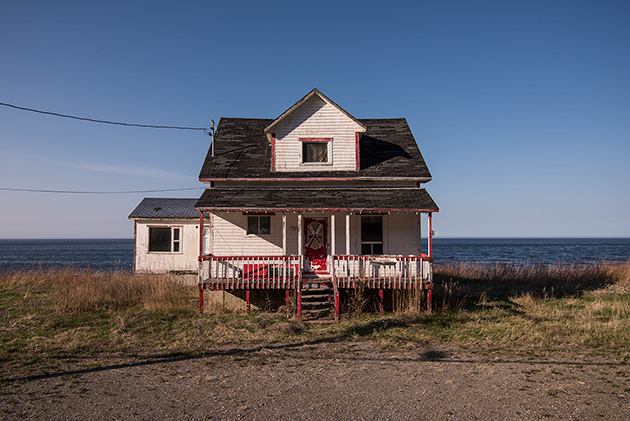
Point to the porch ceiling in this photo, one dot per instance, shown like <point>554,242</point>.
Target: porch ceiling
<point>304,198</point>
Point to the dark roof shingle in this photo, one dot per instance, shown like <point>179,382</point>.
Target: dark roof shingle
<point>387,149</point>
<point>162,208</point>
<point>303,198</point>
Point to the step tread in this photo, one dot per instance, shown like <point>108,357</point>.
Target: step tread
<point>318,289</point>
<point>327,296</point>
<point>315,310</point>
<point>315,304</point>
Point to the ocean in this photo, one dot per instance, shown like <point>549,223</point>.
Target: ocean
<point>117,254</point>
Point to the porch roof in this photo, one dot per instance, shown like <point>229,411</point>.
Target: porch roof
<point>372,199</point>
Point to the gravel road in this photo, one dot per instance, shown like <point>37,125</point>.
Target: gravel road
<point>313,381</point>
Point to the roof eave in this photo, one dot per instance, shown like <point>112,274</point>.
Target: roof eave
<point>417,179</point>
<point>308,209</point>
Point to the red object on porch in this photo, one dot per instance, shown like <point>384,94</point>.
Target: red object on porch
<point>264,271</point>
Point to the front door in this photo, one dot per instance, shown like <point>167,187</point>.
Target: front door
<point>315,245</point>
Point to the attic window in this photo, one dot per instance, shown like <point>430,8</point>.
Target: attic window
<point>316,151</point>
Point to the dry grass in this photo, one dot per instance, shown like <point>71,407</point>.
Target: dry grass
<point>49,315</point>
<point>358,300</point>
<point>408,301</point>
<point>460,283</point>
<point>77,290</point>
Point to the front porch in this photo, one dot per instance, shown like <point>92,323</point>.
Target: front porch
<point>264,241</point>
<point>233,273</point>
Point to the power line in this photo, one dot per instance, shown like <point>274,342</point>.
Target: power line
<point>104,121</point>
<point>95,192</point>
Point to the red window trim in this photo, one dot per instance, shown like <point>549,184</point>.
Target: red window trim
<point>315,139</point>
<point>273,151</point>
<point>356,136</point>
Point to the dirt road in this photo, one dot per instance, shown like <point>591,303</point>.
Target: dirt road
<point>342,380</point>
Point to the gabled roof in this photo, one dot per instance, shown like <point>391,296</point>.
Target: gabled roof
<point>165,208</point>
<point>308,96</point>
<point>374,199</point>
<point>387,150</point>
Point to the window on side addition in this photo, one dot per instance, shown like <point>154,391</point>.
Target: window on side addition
<point>165,239</point>
<point>371,235</point>
<point>259,225</point>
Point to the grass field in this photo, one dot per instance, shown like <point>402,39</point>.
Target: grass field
<point>54,315</point>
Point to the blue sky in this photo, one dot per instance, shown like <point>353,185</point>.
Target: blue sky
<point>521,109</point>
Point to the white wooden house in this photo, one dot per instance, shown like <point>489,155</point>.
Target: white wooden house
<point>314,201</point>
<point>166,236</point>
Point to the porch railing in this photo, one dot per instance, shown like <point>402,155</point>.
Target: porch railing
<point>251,272</point>
<point>285,272</point>
<point>382,271</point>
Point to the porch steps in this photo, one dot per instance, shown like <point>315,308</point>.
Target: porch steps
<point>317,301</point>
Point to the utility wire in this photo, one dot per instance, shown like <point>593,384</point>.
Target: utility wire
<point>94,192</point>
<point>104,121</point>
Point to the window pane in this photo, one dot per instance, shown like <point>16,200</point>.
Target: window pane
<point>377,248</point>
<point>176,246</point>
<point>372,228</point>
<point>366,249</point>
<point>315,151</point>
<point>159,239</point>
<point>265,225</point>
<point>252,225</point>
<point>175,234</point>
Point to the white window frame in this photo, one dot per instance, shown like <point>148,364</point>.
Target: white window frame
<point>371,243</point>
<point>174,242</point>
<point>257,233</point>
<point>327,140</point>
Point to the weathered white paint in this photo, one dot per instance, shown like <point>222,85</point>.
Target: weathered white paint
<point>284,233</point>
<point>300,240</point>
<point>230,236</point>
<point>401,233</point>
<point>226,235</point>
<point>315,118</point>
<point>165,262</point>
<point>348,233</point>
<point>332,235</point>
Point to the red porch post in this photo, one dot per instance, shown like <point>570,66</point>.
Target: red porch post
<point>200,298</point>
<point>299,302</point>
<point>380,301</point>
<point>430,285</point>
<point>430,234</point>
<point>200,234</point>
<point>247,300</point>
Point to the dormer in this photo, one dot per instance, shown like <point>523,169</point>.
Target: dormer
<point>315,134</point>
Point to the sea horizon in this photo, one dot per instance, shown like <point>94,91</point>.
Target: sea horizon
<point>117,253</point>
<point>424,238</point>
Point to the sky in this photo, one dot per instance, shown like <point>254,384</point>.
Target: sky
<point>520,108</point>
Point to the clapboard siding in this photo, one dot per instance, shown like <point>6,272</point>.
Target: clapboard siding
<point>402,236</point>
<point>316,118</point>
<point>230,238</point>
<point>164,262</point>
